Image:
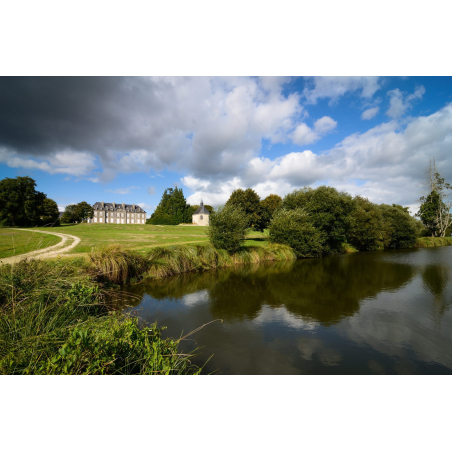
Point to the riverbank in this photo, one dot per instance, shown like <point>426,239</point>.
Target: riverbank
<point>57,317</point>
<point>427,242</point>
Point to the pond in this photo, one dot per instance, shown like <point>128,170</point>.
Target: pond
<point>364,313</point>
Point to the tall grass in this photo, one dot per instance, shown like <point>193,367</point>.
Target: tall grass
<point>426,242</point>
<point>120,266</point>
<point>54,319</point>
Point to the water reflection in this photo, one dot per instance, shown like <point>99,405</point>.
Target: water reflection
<point>364,313</point>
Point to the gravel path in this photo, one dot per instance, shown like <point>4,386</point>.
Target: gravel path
<point>51,251</point>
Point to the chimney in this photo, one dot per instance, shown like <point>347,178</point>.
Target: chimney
<point>123,206</point>
<point>114,205</point>
<point>102,204</point>
<point>133,206</point>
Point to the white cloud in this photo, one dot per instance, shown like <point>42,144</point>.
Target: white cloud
<point>400,102</point>
<point>303,134</point>
<point>336,87</point>
<point>122,191</point>
<point>370,113</point>
<point>147,207</point>
<point>385,164</point>
<point>151,191</point>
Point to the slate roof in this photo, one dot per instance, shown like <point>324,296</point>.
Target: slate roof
<point>202,210</point>
<point>118,206</point>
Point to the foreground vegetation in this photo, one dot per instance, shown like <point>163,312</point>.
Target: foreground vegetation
<point>57,317</point>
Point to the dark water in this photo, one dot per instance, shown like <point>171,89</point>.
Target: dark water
<point>365,313</point>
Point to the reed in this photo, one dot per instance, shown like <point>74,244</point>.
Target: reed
<point>427,242</point>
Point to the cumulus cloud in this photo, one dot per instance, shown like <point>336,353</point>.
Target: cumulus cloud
<point>146,207</point>
<point>303,134</point>
<point>206,125</point>
<point>370,113</point>
<point>336,87</point>
<point>151,191</point>
<point>400,102</point>
<point>122,191</point>
<point>385,164</point>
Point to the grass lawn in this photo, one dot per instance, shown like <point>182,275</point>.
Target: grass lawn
<point>140,237</point>
<point>14,242</point>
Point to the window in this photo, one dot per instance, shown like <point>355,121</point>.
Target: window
<point>200,217</point>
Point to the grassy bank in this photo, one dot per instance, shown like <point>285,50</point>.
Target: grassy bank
<point>427,242</point>
<point>14,242</point>
<point>55,319</point>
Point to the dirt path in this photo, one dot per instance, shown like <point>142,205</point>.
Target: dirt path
<point>67,243</point>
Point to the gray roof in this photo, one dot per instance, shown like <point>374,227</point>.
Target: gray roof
<point>202,210</point>
<point>118,206</point>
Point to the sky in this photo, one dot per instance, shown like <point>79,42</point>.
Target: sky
<point>126,139</point>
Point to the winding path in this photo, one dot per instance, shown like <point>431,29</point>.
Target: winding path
<point>51,251</point>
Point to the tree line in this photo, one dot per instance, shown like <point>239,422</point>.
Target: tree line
<point>22,205</point>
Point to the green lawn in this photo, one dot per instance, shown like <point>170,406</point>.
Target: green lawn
<point>139,237</point>
<point>14,242</point>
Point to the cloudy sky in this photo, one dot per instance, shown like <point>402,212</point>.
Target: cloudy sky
<point>127,139</point>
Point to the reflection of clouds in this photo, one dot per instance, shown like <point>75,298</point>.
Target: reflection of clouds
<point>402,329</point>
<point>193,299</point>
<point>310,346</point>
<point>282,315</point>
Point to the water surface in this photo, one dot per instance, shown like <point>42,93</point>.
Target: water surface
<point>364,313</point>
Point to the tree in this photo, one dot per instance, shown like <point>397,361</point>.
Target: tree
<point>249,201</point>
<point>84,211</point>
<point>50,213</point>
<point>293,227</point>
<point>20,203</point>
<point>268,206</point>
<point>172,209</point>
<point>70,214</point>
<point>366,227</point>
<point>399,229</point>
<point>227,229</point>
<point>434,211</point>
<point>330,212</point>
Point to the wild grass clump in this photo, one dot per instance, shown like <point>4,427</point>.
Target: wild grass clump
<point>54,319</point>
<point>427,242</point>
<point>173,260</point>
<point>117,264</point>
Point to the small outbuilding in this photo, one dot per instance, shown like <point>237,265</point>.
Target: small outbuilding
<point>201,216</point>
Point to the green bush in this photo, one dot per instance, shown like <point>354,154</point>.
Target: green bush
<point>295,229</point>
<point>330,212</point>
<point>399,227</point>
<point>366,227</point>
<point>164,219</point>
<point>227,230</point>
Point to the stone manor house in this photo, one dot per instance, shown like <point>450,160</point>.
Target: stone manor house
<point>110,212</point>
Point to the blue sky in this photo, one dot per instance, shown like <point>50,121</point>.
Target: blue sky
<point>127,139</point>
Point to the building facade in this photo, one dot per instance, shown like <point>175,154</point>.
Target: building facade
<point>201,216</point>
<point>110,212</point>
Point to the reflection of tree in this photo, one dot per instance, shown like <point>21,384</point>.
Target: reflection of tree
<point>435,278</point>
<point>324,290</point>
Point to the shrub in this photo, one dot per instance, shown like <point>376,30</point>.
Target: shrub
<point>366,228</point>
<point>294,228</point>
<point>163,219</point>
<point>329,210</point>
<point>227,230</point>
<point>399,227</point>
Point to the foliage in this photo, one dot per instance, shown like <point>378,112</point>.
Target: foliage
<point>399,227</point>
<point>117,264</point>
<point>426,242</point>
<point>54,320</point>
<point>228,227</point>
<point>77,213</point>
<point>22,205</point>
<point>435,209</point>
<point>174,205</point>
<point>249,201</point>
<point>329,210</point>
<point>293,227</point>
<point>268,206</point>
<point>366,227</point>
